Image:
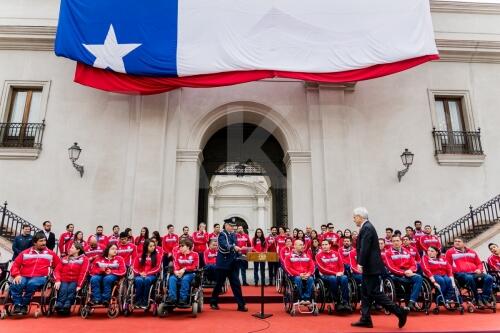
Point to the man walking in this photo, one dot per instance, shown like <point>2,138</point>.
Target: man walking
<point>371,266</point>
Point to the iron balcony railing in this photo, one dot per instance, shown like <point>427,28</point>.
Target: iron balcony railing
<point>457,142</point>
<point>11,225</point>
<point>21,135</point>
<point>472,224</point>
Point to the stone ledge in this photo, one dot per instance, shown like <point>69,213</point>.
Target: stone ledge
<point>19,153</point>
<point>438,6</point>
<point>460,160</point>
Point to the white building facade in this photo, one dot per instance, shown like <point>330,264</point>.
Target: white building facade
<point>341,143</point>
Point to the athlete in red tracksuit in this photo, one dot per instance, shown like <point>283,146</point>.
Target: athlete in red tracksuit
<point>349,257</point>
<point>332,237</point>
<point>146,268</point>
<point>30,271</point>
<point>439,271</point>
<point>300,267</point>
<point>285,251</point>
<point>169,241</point>
<point>259,245</point>
<point>242,241</point>
<point>210,258</point>
<point>200,240</point>
<point>403,269</point>
<point>100,237</point>
<point>468,270</point>
<point>105,272</point>
<point>126,250</point>
<point>494,258</point>
<point>93,250</point>
<point>272,246</point>
<point>185,263</point>
<point>70,276</point>
<point>64,239</point>
<point>331,270</point>
<point>429,240</point>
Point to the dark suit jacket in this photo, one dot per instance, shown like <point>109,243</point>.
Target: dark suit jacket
<point>368,251</point>
<point>226,255</point>
<point>51,241</point>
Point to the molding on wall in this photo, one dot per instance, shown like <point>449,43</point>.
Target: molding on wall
<point>460,160</point>
<point>30,38</point>
<point>19,153</point>
<point>438,6</point>
<point>469,51</point>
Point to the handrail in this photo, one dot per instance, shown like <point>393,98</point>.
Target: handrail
<point>11,224</point>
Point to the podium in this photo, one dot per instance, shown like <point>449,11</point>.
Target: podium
<point>262,257</point>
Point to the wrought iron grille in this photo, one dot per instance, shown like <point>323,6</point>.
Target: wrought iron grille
<point>21,135</point>
<point>457,142</point>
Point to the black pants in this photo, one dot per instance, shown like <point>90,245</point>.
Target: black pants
<point>234,281</point>
<point>201,259</point>
<point>273,270</point>
<point>370,292</point>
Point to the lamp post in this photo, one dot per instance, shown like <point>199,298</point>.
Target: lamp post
<point>407,159</point>
<point>74,153</point>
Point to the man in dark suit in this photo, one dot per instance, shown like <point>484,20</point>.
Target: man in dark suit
<point>225,267</point>
<point>51,237</point>
<point>371,265</point>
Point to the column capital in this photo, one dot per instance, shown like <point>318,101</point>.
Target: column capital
<point>189,155</point>
<point>316,86</point>
<point>297,157</point>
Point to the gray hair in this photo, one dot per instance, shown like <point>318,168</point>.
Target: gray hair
<point>361,211</point>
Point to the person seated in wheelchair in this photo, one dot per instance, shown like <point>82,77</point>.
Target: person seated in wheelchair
<point>493,261</point>
<point>439,271</point>
<point>126,250</point>
<point>300,268</point>
<point>403,269</point>
<point>348,255</point>
<point>331,271</point>
<point>285,250</point>
<point>70,276</point>
<point>186,262</point>
<point>93,249</point>
<point>145,268</point>
<point>210,258</point>
<point>468,270</point>
<point>105,272</point>
<point>30,272</point>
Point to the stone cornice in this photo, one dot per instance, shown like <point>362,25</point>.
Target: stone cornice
<point>31,38</point>
<point>469,51</point>
<point>314,86</point>
<point>188,155</point>
<point>438,6</point>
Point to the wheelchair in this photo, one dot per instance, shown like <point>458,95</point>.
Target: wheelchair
<point>77,304</point>
<point>291,299</point>
<point>440,300</point>
<point>154,296</point>
<point>115,306</point>
<point>280,280</point>
<point>399,293</point>
<point>468,297</point>
<point>44,295</point>
<point>208,284</point>
<point>195,299</point>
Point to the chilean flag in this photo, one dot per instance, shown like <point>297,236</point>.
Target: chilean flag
<point>152,46</point>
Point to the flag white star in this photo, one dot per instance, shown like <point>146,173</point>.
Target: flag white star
<point>110,54</point>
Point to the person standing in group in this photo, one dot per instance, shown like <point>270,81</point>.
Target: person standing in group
<point>64,239</point>
<point>101,239</point>
<point>139,240</point>
<point>200,240</point>
<point>170,240</point>
<point>371,266</point>
<point>115,236</point>
<point>272,246</point>
<point>225,267</point>
<point>214,236</point>
<point>22,242</point>
<point>185,234</point>
<point>243,242</point>
<point>51,237</point>
<point>259,245</point>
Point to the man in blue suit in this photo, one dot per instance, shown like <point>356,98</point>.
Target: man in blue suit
<point>225,267</point>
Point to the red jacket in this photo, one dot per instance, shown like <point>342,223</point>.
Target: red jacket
<point>72,269</point>
<point>33,263</point>
<point>71,242</point>
<point>388,243</point>
<point>139,244</point>
<point>400,261</point>
<point>466,261</point>
<point>116,265</point>
<point>200,240</point>
<point>257,246</point>
<point>285,252</point>
<point>494,263</point>
<point>417,236</point>
<point>349,258</point>
<point>332,237</point>
<point>429,240</point>
<point>102,240</point>
<point>280,242</point>
<point>413,251</point>
<point>296,264</point>
<point>113,239</point>
<point>93,253</point>
<point>188,261</point>
<point>169,242</point>
<point>64,239</point>
<point>213,236</point>
<point>272,245</point>
<point>329,263</point>
<point>436,266</point>
<point>148,267</point>
<point>243,241</point>
<point>128,252</point>
<point>210,256</point>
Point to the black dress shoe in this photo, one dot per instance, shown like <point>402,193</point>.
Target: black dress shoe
<point>214,306</point>
<point>402,317</point>
<point>242,308</point>
<point>367,324</point>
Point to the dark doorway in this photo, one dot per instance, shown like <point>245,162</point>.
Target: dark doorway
<point>245,149</point>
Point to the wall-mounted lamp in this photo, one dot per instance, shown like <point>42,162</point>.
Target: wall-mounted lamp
<point>407,159</point>
<point>74,153</point>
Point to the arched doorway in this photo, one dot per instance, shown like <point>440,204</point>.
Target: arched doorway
<point>244,149</point>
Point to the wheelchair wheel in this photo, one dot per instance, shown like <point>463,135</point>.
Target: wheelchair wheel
<point>279,280</point>
<point>200,303</point>
<point>85,312</point>
<point>320,294</point>
<point>47,294</point>
<point>5,300</point>
<point>389,290</point>
<point>353,293</point>
<point>288,296</point>
<point>424,300</point>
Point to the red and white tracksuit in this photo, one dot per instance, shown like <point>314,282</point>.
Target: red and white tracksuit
<point>210,256</point>
<point>298,263</point>
<point>348,256</point>
<point>72,269</point>
<point>388,243</point>
<point>284,253</point>
<point>272,245</point>
<point>64,239</point>
<point>332,237</point>
<point>307,243</point>
<point>494,263</point>
<point>33,263</point>
<point>93,252</point>
<point>115,265</point>
<point>114,239</point>
<point>189,261</point>
<point>429,240</point>
<point>200,240</point>
<point>71,242</point>
<point>148,267</point>
<point>258,246</point>
<point>243,241</point>
<point>139,244</point>
<point>414,252</point>
<point>400,261</point>
<point>436,266</point>
<point>329,263</point>
<point>101,240</point>
<point>128,252</point>
<point>280,242</point>
<point>416,236</point>
<point>213,237</point>
<point>169,242</point>
<point>466,261</point>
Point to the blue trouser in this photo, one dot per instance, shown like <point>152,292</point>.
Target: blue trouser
<point>210,272</point>
<point>416,284</point>
<point>471,280</point>
<point>101,286</point>
<point>142,286</point>
<point>66,295</point>
<point>185,282</point>
<point>333,284</point>
<point>358,278</point>
<point>241,268</point>
<point>28,285</point>
<point>259,266</point>
<point>304,294</point>
<point>445,285</point>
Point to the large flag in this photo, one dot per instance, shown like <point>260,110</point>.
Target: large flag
<point>151,46</point>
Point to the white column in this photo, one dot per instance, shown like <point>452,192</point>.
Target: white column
<point>261,211</point>
<point>186,188</point>
<point>210,217</point>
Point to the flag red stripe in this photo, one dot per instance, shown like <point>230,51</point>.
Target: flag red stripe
<point>146,85</point>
